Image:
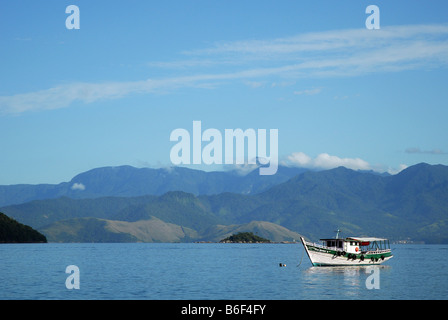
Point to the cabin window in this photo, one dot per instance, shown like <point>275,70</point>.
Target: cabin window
<point>334,243</point>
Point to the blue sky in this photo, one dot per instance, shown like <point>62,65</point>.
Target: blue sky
<point>111,92</point>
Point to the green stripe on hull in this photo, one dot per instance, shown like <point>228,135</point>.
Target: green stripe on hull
<point>343,265</point>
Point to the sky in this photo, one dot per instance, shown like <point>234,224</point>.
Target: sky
<point>112,91</point>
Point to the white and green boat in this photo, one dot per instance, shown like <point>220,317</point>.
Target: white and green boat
<point>351,251</point>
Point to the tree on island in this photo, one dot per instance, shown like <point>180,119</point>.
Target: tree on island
<point>245,237</point>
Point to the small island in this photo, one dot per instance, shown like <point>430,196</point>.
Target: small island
<point>244,237</point>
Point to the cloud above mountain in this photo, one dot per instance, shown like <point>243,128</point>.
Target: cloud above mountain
<point>326,161</point>
<point>78,186</point>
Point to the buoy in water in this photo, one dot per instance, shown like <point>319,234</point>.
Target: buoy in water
<point>281,265</point>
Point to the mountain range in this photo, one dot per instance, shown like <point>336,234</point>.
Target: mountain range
<point>128,181</point>
<point>411,205</point>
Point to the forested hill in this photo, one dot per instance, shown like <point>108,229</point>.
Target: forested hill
<point>12,231</point>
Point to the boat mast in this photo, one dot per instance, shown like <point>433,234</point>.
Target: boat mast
<point>337,233</point>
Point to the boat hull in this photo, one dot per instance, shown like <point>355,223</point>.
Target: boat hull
<point>321,256</point>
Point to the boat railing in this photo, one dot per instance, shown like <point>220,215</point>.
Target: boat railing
<point>376,251</point>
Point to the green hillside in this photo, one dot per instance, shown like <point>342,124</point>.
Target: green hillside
<point>102,230</point>
<point>154,230</point>
<point>12,231</point>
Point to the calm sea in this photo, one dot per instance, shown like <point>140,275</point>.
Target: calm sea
<point>213,272</point>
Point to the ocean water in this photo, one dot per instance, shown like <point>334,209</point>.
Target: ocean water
<point>202,271</point>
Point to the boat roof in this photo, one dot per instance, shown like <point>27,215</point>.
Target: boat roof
<point>360,239</point>
<point>365,239</point>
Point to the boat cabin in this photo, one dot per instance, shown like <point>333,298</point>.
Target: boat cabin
<point>357,245</point>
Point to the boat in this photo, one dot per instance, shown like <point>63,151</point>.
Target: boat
<point>350,251</point>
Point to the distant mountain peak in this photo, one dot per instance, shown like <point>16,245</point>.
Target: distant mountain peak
<point>128,181</point>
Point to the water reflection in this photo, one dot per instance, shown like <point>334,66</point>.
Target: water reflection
<point>341,282</point>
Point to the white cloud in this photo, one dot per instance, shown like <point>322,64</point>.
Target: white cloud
<point>337,53</point>
<point>78,186</point>
<point>241,169</point>
<point>359,47</point>
<point>400,168</point>
<point>255,84</point>
<point>300,159</point>
<point>64,95</point>
<point>326,161</point>
<point>309,92</point>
